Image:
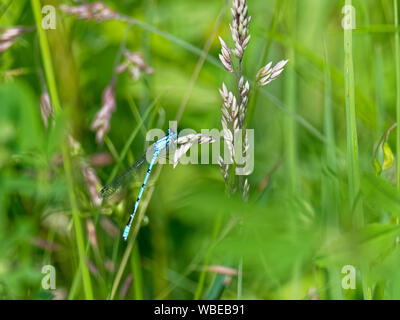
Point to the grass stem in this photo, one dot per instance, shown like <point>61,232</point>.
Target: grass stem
<point>51,83</point>
<point>397,67</point>
<point>353,170</point>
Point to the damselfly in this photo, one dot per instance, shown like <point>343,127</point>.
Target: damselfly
<point>160,146</point>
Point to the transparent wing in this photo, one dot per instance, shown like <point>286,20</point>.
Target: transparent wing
<point>129,174</point>
<point>167,154</point>
<point>124,178</point>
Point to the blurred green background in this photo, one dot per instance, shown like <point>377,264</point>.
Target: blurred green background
<point>296,232</point>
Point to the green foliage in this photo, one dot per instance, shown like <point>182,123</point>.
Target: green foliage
<point>381,195</point>
<point>296,231</point>
<point>388,159</point>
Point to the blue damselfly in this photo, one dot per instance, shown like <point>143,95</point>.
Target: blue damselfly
<point>160,146</point>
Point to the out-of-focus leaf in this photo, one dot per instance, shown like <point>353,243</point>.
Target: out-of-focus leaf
<point>44,295</point>
<point>388,156</point>
<point>377,167</point>
<point>274,235</point>
<point>56,134</point>
<point>357,248</point>
<point>380,194</point>
<point>217,287</point>
<point>20,109</point>
<point>387,267</point>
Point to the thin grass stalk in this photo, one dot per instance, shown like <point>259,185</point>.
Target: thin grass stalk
<point>290,86</point>
<point>330,188</point>
<point>132,240</point>
<point>51,83</point>
<point>75,283</point>
<point>379,89</point>
<point>240,280</point>
<point>149,11</point>
<point>182,276</point>
<point>379,290</point>
<point>111,147</point>
<point>137,274</point>
<point>202,277</point>
<point>112,150</point>
<point>299,119</point>
<point>114,255</point>
<point>159,242</point>
<point>135,113</point>
<point>200,63</point>
<point>5,8</point>
<point>121,158</point>
<point>255,95</point>
<point>290,124</point>
<point>353,169</point>
<point>329,123</point>
<point>397,63</point>
<point>397,66</point>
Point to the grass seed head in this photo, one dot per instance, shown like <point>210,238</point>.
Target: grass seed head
<point>102,121</point>
<point>91,11</point>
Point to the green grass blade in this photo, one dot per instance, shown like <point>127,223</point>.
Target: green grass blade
<point>51,82</point>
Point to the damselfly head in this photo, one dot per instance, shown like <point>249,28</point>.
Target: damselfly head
<point>172,138</point>
<point>171,132</point>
